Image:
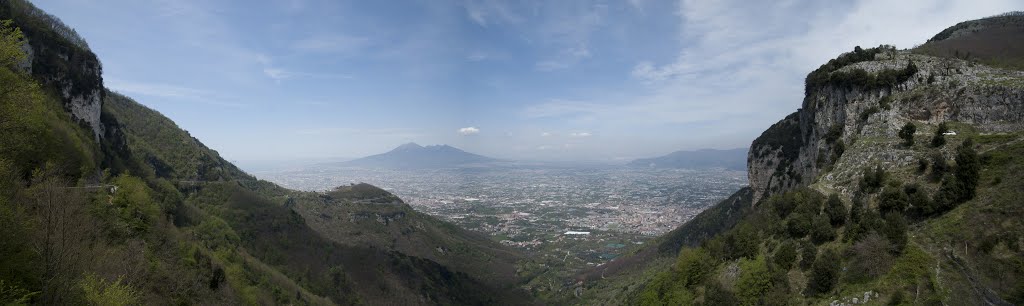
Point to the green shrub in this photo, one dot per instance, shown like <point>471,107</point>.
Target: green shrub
<point>742,242</point>
<point>834,133</point>
<point>895,230</point>
<point>13,295</point>
<point>939,139</point>
<point>835,210</point>
<point>886,102</point>
<point>824,274</point>
<point>968,169</point>
<point>864,115</point>
<point>939,165</point>
<point>799,225</point>
<point>893,200</point>
<point>821,230</point>
<point>664,290</point>
<point>98,291</point>
<point>754,281</point>
<point>785,255</point>
<point>907,133</point>
<point>872,180</point>
<point>807,254</point>
<point>693,266</point>
<point>134,204</point>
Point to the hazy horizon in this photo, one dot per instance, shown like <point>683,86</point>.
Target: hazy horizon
<point>557,81</point>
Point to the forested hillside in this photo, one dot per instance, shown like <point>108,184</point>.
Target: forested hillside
<point>898,182</point>
<point>104,201</point>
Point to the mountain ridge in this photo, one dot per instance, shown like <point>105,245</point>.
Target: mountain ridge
<point>862,194</point>
<point>150,215</point>
<point>731,159</point>
<point>414,156</point>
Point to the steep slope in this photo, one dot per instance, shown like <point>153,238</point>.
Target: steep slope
<point>617,282</point>
<point>395,270</point>
<point>897,182</point>
<point>996,41</point>
<point>869,94</point>
<point>366,215</point>
<point>414,156</point>
<point>104,201</point>
<point>734,159</point>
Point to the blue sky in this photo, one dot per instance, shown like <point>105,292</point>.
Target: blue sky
<point>538,80</point>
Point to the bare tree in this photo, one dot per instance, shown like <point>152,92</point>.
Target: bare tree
<point>59,237</point>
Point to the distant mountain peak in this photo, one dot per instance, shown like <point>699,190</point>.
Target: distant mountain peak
<point>733,159</point>
<point>408,146</point>
<point>412,155</point>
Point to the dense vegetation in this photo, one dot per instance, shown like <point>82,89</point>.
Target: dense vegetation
<point>60,56</point>
<point>858,77</point>
<point>148,215</point>
<point>794,244</point>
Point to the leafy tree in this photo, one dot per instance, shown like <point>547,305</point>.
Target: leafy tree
<point>14,295</point>
<point>754,281</point>
<point>742,242</point>
<point>100,292</point>
<point>799,225</point>
<point>895,230</point>
<point>907,133</point>
<point>939,165</point>
<point>940,139</point>
<point>968,168</point>
<point>18,264</point>
<point>134,204</point>
<point>807,254</point>
<point>11,41</point>
<point>821,230</point>
<point>835,210</point>
<point>922,165</point>
<point>872,180</point>
<point>716,295</point>
<point>783,204</point>
<point>693,266</point>
<point>785,255</point>
<point>665,290</point>
<point>961,186</point>
<point>893,200</point>
<point>824,273</point>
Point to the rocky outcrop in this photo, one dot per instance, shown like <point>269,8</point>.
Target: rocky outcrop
<point>795,151</point>
<point>77,74</point>
<point>60,60</point>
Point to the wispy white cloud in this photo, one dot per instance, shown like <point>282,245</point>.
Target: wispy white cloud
<point>744,63</point>
<point>580,134</point>
<point>466,131</point>
<point>563,29</point>
<point>279,74</point>
<point>350,131</point>
<point>487,12</point>
<point>551,65</point>
<point>171,92</point>
<point>334,43</point>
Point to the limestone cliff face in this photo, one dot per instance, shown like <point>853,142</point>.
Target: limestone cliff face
<point>76,73</point>
<point>60,59</point>
<point>802,148</point>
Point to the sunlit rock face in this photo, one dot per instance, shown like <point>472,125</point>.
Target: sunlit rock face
<point>844,128</point>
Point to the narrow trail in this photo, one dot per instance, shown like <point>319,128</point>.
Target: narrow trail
<point>1019,139</point>
<point>990,296</point>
